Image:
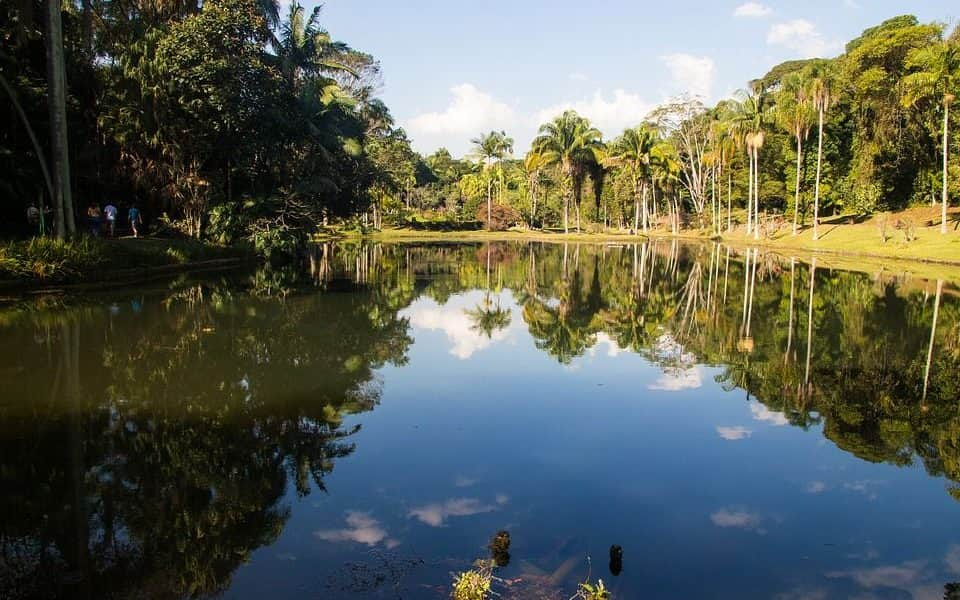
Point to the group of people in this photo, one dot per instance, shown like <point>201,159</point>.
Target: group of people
<point>106,220</point>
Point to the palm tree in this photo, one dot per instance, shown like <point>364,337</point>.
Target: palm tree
<point>486,148</point>
<point>570,142</point>
<point>304,49</point>
<point>633,151</point>
<point>490,147</point>
<point>533,165</point>
<point>937,75</point>
<point>665,170</point>
<point>795,116</point>
<point>820,92</point>
<point>749,120</point>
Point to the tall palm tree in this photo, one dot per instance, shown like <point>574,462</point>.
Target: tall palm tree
<point>303,49</point>
<point>820,93</point>
<point>570,142</point>
<point>936,75</point>
<point>750,121</point>
<point>665,171</point>
<point>794,112</point>
<point>633,151</point>
<point>533,166</point>
<point>486,149</point>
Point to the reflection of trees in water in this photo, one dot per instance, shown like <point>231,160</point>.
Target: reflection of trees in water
<point>149,444</point>
<point>757,316</point>
<point>147,453</point>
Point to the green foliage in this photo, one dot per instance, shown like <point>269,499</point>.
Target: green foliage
<point>473,584</point>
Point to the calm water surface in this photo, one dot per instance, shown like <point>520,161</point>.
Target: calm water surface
<point>743,425</point>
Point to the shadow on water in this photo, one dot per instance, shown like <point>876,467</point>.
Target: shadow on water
<point>148,439</point>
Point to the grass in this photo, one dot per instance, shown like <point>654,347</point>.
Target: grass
<point>46,260</point>
<point>858,246</point>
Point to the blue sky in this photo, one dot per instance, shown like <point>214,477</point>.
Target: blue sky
<point>453,69</point>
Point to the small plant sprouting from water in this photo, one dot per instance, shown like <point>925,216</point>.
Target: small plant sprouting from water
<point>473,584</point>
<point>588,591</point>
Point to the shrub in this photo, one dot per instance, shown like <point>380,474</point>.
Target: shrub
<point>502,217</point>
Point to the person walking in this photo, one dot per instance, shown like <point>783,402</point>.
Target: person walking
<point>110,212</point>
<point>133,215</point>
<point>93,219</point>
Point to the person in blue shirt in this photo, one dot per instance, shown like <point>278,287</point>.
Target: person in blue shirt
<point>133,215</point>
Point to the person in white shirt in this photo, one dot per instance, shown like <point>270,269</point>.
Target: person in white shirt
<point>110,212</point>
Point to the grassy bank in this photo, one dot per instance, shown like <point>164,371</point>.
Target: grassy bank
<point>42,261</point>
<point>906,242</point>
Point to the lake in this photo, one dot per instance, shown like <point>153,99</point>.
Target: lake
<point>742,424</point>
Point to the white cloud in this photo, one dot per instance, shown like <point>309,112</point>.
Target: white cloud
<point>867,487</point>
<point>953,560</point>
<point>801,36</point>
<point>613,349</point>
<point>361,528</point>
<point>611,114</point>
<point>677,380</point>
<point>734,433</point>
<point>740,519</point>
<point>435,515</point>
<point>762,413</point>
<point>469,112</point>
<point>456,324</point>
<point>752,9</point>
<point>692,74</point>
<point>464,481</point>
<point>890,576</point>
<point>816,487</point>
<point>578,76</point>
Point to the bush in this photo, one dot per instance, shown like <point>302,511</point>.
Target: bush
<point>502,217</point>
<point>49,258</point>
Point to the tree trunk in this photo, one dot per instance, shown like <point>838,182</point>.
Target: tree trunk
<point>756,193</point>
<point>749,191</point>
<point>729,201</point>
<point>946,151</point>
<point>813,275</point>
<point>57,102</point>
<point>796,199</point>
<point>933,333</point>
<point>816,194</point>
<point>644,204</point>
<point>793,268</point>
<point>636,208</point>
<point>566,211</point>
<point>489,202</point>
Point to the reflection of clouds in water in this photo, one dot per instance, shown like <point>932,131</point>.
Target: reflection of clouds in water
<point>867,487</point>
<point>952,559</point>
<point>737,518</point>
<point>902,576</point>
<point>734,433</point>
<point>682,372</point>
<point>464,481</point>
<point>762,413</point>
<point>613,349</point>
<point>453,321</point>
<point>361,528</point>
<point>802,594</point>
<point>436,514</point>
<point>678,380</point>
<point>816,487</point>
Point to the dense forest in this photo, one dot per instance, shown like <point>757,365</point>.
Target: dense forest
<point>230,121</point>
<point>857,134</point>
<point>218,118</point>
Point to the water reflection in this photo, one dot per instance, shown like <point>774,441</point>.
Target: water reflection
<point>150,443</point>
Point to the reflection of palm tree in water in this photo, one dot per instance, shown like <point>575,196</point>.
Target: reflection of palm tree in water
<point>486,317</point>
